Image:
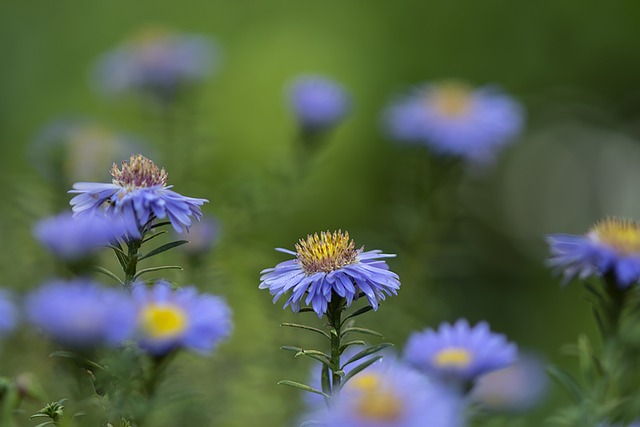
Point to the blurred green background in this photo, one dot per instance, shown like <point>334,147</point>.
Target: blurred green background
<point>477,252</point>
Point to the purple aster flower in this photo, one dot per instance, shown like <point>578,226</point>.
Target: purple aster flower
<point>182,318</point>
<point>612,246</point>
<point>516,388</point>
<point>203,235</point>
<point>458,353</point>
<point>139,193</point>
<point>71,149</point>
<point>8,313</point>
<point>74,238</point>
<point>328,264</point>
<point>81,314</point>
<point>452,119</point>
<point>157,62</point>
<point>318,103</point>
<point>390,394</point>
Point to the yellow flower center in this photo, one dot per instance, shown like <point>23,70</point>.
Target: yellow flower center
<point>622,235</point>
<point>452,357</point>
<point>376,402</point>
<point>162,321</point>
<point>327,252</point>
<point>451,99</point>
<point>140,172</point>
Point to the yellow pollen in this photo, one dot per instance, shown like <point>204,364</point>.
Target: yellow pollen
<point>623,235</point>
<point>452,357</point>
<point>162,321</point>
<point>140,172</point>
<point>326,252</point>
<point>375,401</point>
<point>451,98</point>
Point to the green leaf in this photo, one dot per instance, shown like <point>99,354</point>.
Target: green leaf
<point>361,331</point>
<point>73,356</point>
<point>344,346</point>
<point>302,387</point>
<point>291,348</point>
<point>308,328</point>
<point>358,312</point>
<point>360,368</point>
<point>306,310</point>
<point>367,351</point>
<point>325,379</point>
<point>120,255</point>
<point>160,224</point>
<point>151,269</point>
<point>314,354</point>
<point>159,233</point>
<point>566,380</point>
<point>162,248</point>
<point>107,273</point>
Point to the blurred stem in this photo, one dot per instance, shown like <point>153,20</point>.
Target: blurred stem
<point>133,246</point>
<point>334,316</point>
<point>615,305</point>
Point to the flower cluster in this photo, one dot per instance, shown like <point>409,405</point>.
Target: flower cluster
<point>139,193</point>
<point>453,119</point>
<point>329,263</point>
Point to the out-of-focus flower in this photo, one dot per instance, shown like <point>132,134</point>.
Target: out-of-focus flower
<point>73,238</point>
<point>81,314</point>
<point>390,394</point>
<point>516,388</point>
<point>169,319</point>
<point>8,313</point>
<point>203,235</point>
<point>612,246</point>
<point>453,119</point>
<point>326,264</point>
<point>139,193</point>
<point>70,150</point>
<point>156,62</point>
<point>318,103</point>
<point>458,352</point>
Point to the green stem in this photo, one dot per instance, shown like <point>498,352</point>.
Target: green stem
<point>616,303</point>
<point>133,247</point>
<point>334,316</point>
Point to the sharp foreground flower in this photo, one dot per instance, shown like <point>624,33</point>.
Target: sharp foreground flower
<point>329,264</point>
<point>169,319</point>
<point>72,238</point>
<point>139,193</point>
<point>459,353</point>
<point>612,246</point>
<point>389,394</point>
<point>156,62</point>
<point>451,118</point>
<point>318,103</point>
<point>81,314</point>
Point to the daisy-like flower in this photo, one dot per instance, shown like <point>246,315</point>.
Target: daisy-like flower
<point>74,238</point>
<point>459,353</point>
<point>328,264</point>
<point>169,319</point>
<point>453,119</point>
<point>139,193</point>
<point>318,103</point>
<point>8,313</point>
<point>156,62</point>
<point>390,394</point>
<point>81,314</point>
<point>516,388</point>
<point>612,246</point>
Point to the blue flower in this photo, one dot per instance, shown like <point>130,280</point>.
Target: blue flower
<point>612,246</point>
<point>458,353</point>
<point>318,103</point>
<point>452,119</point>
<point>8,313</point>
<point>328,264</point>
<point>203,236</point>
<point>81,314</point>
<point>169,319</point>
<point>156,62</point>
<point>516,388</point>
<point>389,394</point>
<point>74,238</point>
<point>139,193</point>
